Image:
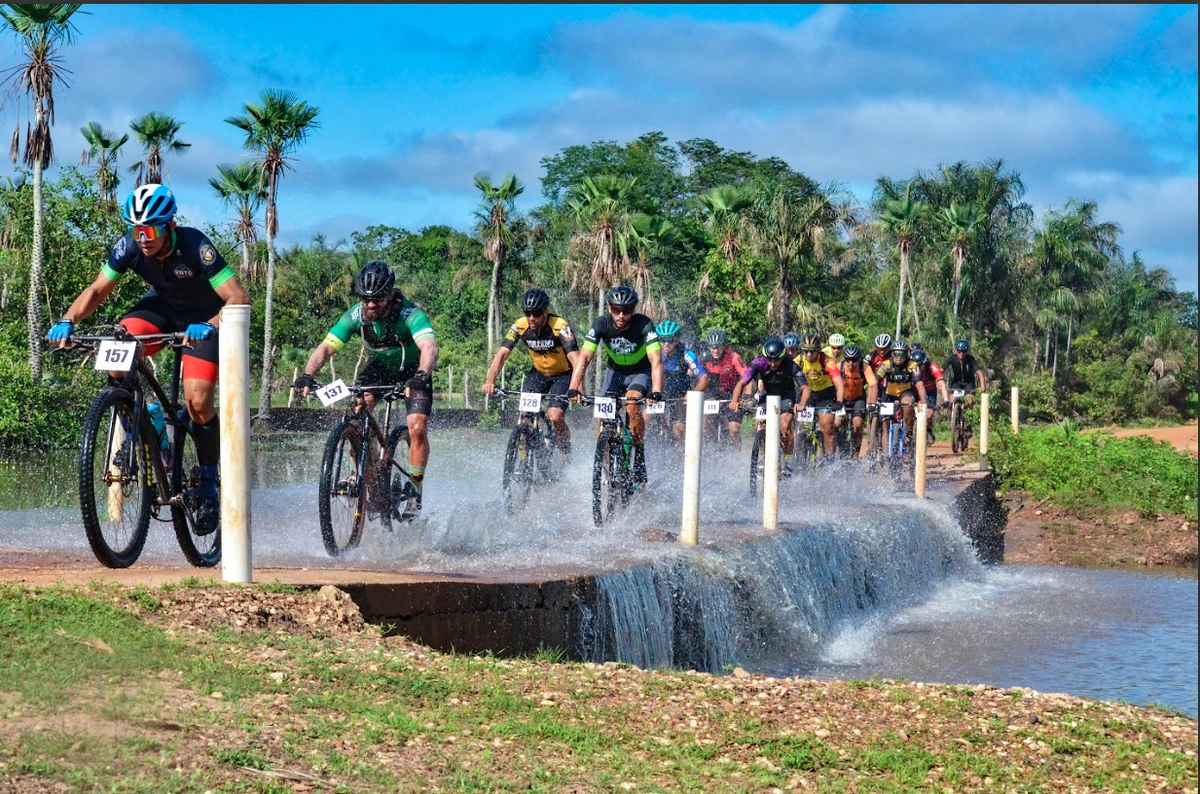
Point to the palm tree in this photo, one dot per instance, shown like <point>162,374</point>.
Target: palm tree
<point>600,206</point>
<point>725,219</point>
<point>648,235</point>
<point>959,222</point>
<point>901,216</point>
<point>240,189</point>
<point>103,149</point>
<point>156,132</point>
<point>495,216</point>
<point>275,126</point>
<point>41,27</point>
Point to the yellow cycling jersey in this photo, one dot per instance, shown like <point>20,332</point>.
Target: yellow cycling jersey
<point>896,382</point>
<point>818,374</point>
<point>828,351</point>
<point>548,346</point>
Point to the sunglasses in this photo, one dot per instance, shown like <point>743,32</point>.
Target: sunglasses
<point>667,340</point>
<point>375,301</point>
<point>147,234</point>
<point>836,347</point>
<point>811,350</point>
<point>538,313</point>
<point>623,310</point>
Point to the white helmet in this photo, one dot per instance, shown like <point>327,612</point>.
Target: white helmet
<point>883,340</point>
<point>837,340</point>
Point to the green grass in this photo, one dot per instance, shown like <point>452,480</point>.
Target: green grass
<point>1095,469</point>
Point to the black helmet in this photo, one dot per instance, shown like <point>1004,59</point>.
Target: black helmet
<point>900,346</point>
<point>773,348</point>
<point>963,345</point>
<point>810,341</point>
<point>376,280</point>
<point>852,352</point>
<point>622,296</point>
<point>919,356</point>
<point>535,300</point>
<point>716,338</point>
<point>791,340</point>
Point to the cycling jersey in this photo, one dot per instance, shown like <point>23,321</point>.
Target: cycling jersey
<point>855,379</point>
<point>548,346</point>
<point>898,381</point>
<point>392,340</point>
<point>828,351</point>
<point>961,371</point>
<point>820,372</point>
<point>782,381</point>
<point>931,373</point>
<point>877,357</point>
<point>626,349</point>
<point>728,368</point>
<point>186,280</point>
<point>679,371</point>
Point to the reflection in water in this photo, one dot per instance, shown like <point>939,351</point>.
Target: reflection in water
<point>1102,634</point>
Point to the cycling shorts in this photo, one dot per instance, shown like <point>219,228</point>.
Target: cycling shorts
<point>377,372</point>
<point>618,384</point>
<point>885,397</point>
<point>825,398</point>
<point>857,407</point>
<point>554,385</point>
<point>969,388</point>
<point>151,315</point>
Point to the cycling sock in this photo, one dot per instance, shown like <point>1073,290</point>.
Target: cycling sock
<point>208,441</point>
<point>208,479</point>
<point>417,476</point>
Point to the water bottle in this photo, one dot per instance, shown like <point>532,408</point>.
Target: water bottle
<point>160,428</point>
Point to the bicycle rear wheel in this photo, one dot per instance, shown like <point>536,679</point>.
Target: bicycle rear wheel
<point>518,470</point>
<point>342,491</point>
<point>115,494</point>
<point>203,551</point>
<point>609,477</point>
<point>756,456</point>
<point>405,499</point>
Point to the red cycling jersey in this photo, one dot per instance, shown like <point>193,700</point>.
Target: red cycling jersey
<point>931,373</point>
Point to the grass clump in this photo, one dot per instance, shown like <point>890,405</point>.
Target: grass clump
<point>1096,469</point>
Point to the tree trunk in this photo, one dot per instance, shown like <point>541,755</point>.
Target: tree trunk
<point>493,321</point>
<point>33,310</point>
<point>1067,354</point>
<point>599,359</point>
<point>1046,355</point>
<point>958,263</point>
<point>785,295</point>
<point>246,260</point>
<point>268,369</point>
<point>1054,366</point>
<point>903,276</point>
<point>912,291</point>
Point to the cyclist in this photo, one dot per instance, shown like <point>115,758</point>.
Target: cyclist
<point>833,350</point>
<point>900,376</point>
<point>935,385</point>
<point>403,349</point>
<point>823,387</point>
<point>189,285</point>
<point>791,341</point>
<point>882,351</point>
<point>681,372</point>
<point>634,367</point>
<point>861,393</point>
<point>552,353</point>
<point>964,372</point>
<point>724,363</point>
<point>776,374</point>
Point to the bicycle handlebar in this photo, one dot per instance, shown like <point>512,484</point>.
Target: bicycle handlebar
<point>389,392</point>
<point>176,339</point>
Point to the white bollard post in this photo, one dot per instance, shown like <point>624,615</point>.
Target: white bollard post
<point>771,465</point>
<point>234,377</point>
<point>1016,396</point>
<point>922,433</point>
<point>689,530</point>
<point>449,387</point>
<point>984,406</point>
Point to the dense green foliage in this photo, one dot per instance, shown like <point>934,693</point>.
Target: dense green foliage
<point>1095,469</point>
<point>712,238</point>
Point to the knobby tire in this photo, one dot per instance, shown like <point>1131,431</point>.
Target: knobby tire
<point>203,551</point>
<point>342,491</point>
<point>519,469</point>
<point>397,480</point>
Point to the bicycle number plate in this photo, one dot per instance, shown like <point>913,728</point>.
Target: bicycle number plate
<point>712,407</point>
<point>604,408</point>
<point>887,409</point>
<point>334,392</point>
<point>114,355</point>
<point>807,416</point>
<point>958,392</point>
<point>760,413</point>
<point>531,402</point>
<point>842,412</point>
<point>659,407</point>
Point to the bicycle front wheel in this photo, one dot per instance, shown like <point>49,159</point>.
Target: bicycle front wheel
<point>115,494</point>
<point>609,474</point>
<point>342,491</point>
<point>201,550</point>
<point>958,436</point>
<point>518,471</point>
<point>756,457</point>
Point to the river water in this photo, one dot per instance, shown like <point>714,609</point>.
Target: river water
<point>1103,634</point>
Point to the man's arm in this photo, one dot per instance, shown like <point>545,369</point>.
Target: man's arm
<point>92,296</point>
<point>872,384</point>
<point>656,369</point>
<point>585,357</point>
<point>234,294</point>
<point>489,383</point>
<point>980,378</point>
<point>429,355</point>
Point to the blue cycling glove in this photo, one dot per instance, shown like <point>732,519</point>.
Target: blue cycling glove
<point>61,330</point>
<point>200,331</point>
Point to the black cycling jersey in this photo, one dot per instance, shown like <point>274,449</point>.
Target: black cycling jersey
<point>186,280</point>
<point>781,382</point>
<point>960,371</point>
<point>626,349</point>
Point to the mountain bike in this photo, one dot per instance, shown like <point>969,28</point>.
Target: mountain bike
<point>124,478</point>
<point>899,453</point>
<point>613,475</point>
<point>353,488</point>
<point>759,447</point>
<point>874,435</point>
<point>533,453</point>
<point>960,435</point>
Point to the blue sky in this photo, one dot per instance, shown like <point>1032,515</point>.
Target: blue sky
<point>1092,102</point>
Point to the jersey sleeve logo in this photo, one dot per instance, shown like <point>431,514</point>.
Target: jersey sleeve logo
<point>566,333</point>
<point>121,247</point>
<point>208,254</point>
